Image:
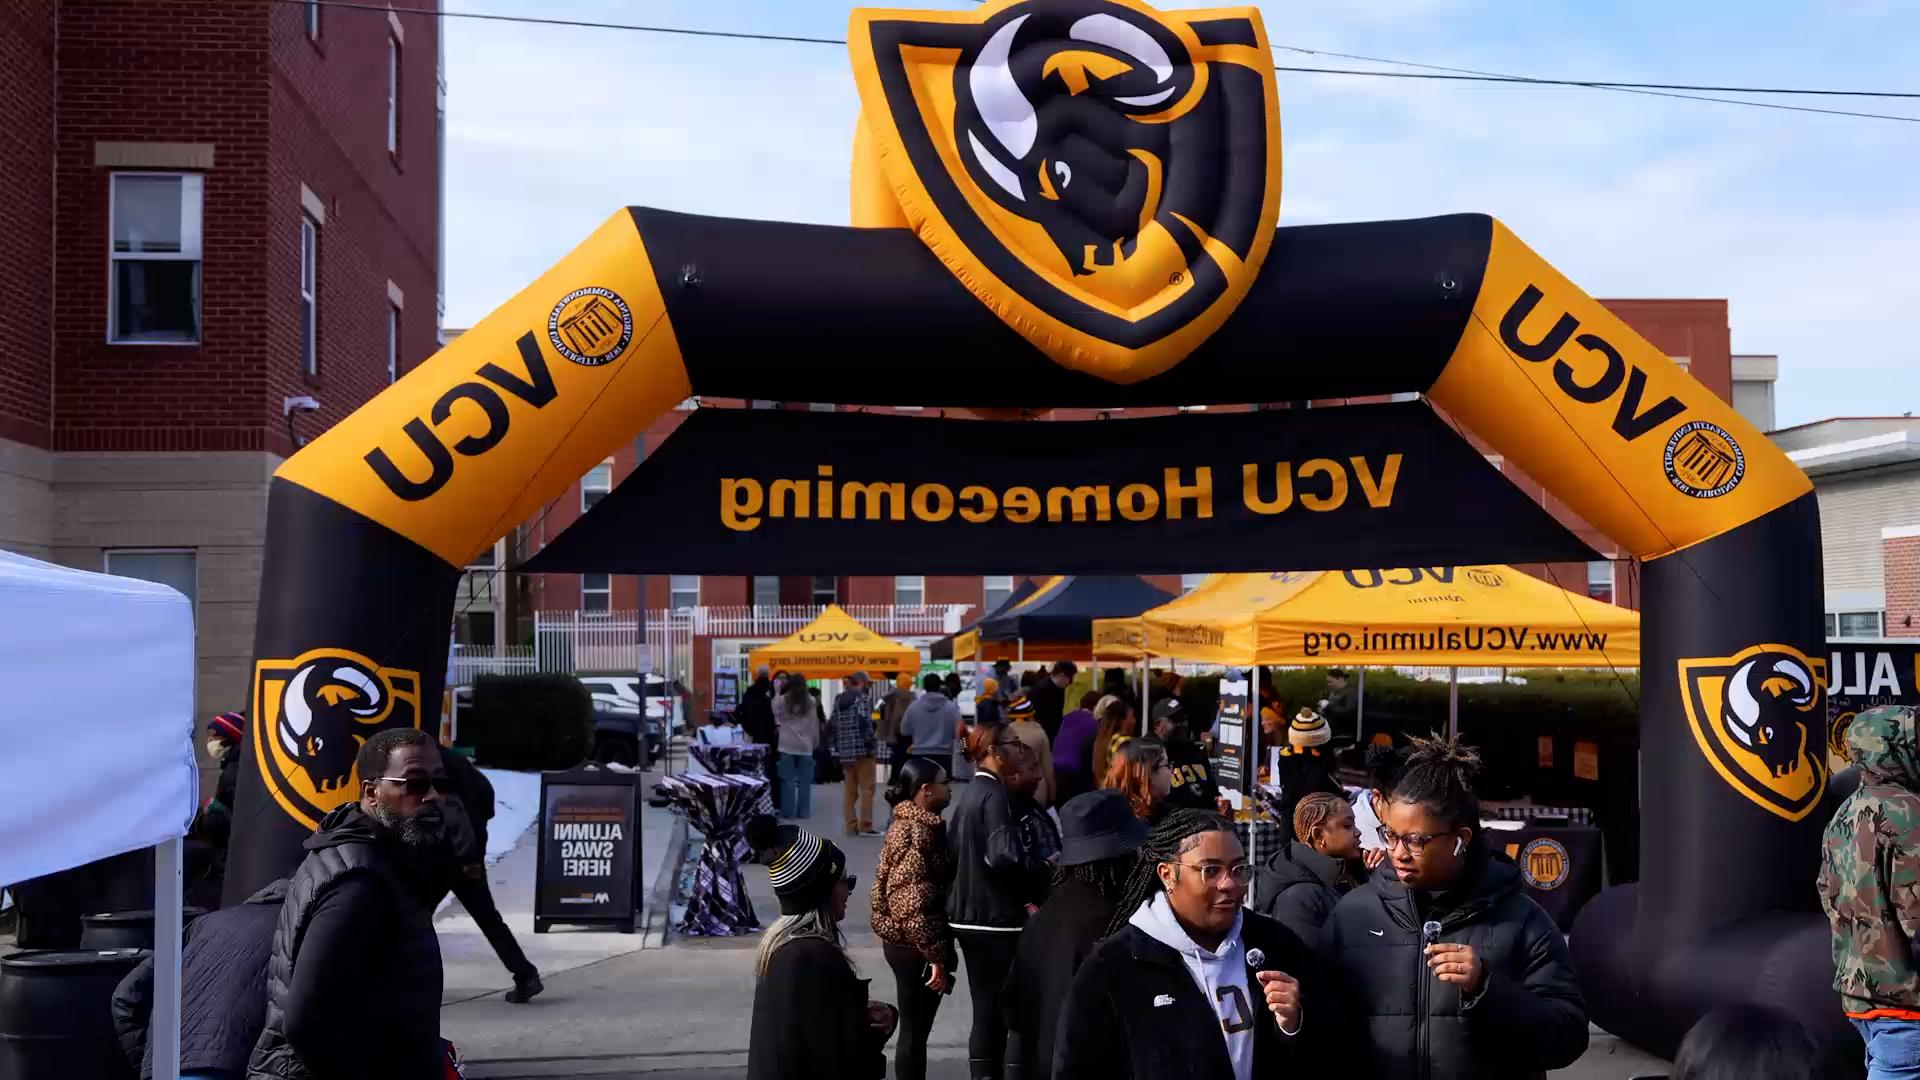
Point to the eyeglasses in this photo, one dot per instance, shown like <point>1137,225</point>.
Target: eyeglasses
<point>419,785</point>
<point>1415,843</point>
<point>1241,872</point>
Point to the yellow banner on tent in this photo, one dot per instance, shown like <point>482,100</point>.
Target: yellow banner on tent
<point>1468,616</point>
<point>966,645</point>
<point>832,645</point>
<point>1119,639</point>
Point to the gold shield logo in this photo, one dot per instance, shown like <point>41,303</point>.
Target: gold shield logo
<point>310,716</point>
<point>1757,718</point>
<point>1104,176</point>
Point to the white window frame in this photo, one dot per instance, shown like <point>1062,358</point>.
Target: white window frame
<point>393,95</point>
<point>393,344</point>
<point>1840,621</point>
<point>683,587</point>
<point>1190,582</point>
<point>991,584</point>
<point>1613,579</point>
<point>106,566</point>
<point>910,591</point>
<point>753,590</point>
<point>591,484</point>
<point>832,592</point>
<point>192,212</point>
<point>600,585</point>
<point>310,294</point>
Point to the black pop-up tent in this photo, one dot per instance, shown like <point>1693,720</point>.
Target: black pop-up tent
<point>1061,612</point>
<point>961,645</point>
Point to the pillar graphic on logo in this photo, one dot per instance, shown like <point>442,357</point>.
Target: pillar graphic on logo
<point>1757,718</point>
<point>310,716</point>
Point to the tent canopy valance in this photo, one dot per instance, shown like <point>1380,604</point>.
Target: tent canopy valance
<point>832,645</point>
<point>1477,616</point>
<point>1062,610</point>
<point>965,645</point>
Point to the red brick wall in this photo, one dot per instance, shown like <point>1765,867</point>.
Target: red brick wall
<point>278,111</point>
<point>26,221</point>
<point>1901,555</point>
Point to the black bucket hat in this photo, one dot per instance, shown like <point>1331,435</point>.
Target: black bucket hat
<point>1098,825</point>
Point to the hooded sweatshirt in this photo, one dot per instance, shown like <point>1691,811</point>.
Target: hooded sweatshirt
<point>929,724</point>
<point>1218,973</point>
<point>1870,870</point>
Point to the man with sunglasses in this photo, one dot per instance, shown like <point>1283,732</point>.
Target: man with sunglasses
<point>353,986</point>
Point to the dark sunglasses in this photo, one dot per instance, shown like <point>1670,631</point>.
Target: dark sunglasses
<point>852,880</point>
<point>419,785</point>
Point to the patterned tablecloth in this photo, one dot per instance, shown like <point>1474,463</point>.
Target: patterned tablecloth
<point>739,759</point>
<point>718,805</point>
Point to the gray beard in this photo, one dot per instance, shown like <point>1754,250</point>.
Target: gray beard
<point>415,835</point>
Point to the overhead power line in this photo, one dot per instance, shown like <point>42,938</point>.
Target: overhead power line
<point>1434,72</point>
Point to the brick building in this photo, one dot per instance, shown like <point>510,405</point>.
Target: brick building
<point>211,212</point>
<point>1694,333</point>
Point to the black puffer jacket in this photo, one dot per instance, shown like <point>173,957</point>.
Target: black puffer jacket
<point>223,989</point>
<point>1408,1025</point>
<point>1001,844</point>
<point>353,987</point>
<point>1298,887</point>
<point>810,1018</point>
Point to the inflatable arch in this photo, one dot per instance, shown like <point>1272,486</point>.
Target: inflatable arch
<point>1079,198</point>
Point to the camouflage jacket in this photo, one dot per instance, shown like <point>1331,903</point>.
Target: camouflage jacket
<point>1870,866</point>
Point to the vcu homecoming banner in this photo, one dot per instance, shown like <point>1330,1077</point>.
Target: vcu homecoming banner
<point>863,493</point>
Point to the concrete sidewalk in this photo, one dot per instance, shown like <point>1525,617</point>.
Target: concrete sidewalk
<point>615,1010</point>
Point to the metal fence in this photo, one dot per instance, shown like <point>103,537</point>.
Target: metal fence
<point>779,620</point>
<point>473,660</point>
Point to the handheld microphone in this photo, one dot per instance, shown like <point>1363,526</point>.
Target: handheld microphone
<point>1256,959</point>
<point>1429,934</point>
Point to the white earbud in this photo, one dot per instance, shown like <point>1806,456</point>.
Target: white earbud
<point>1459,845</point>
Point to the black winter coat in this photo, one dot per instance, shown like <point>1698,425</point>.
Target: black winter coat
<point>355,941</point>
<point>999,856</point>
<point>1115,1027</point>
<point>1052,947</point>
<point>1298,887</point>
<point>475,793</point>
<point>810,1018</point>
<point>756,713</point>
<point>1408,1025</point>
<point>223,989</point>
<point>1194,787</point>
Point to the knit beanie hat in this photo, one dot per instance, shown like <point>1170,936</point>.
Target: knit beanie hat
<point>1020,708</point>
<point>988,688</point>
<point>1309,728</point>
<point>803,866</point>
<point>228,725</point>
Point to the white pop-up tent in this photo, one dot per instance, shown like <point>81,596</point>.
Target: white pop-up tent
<point>96,714</point>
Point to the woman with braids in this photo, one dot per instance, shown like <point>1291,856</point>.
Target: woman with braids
<point>1003,849</point>
<point>1302,881</point>
<point>1141,772</point>
<point>812,1019</point>
<point>910,906</point>
<point>1100,836</point>
<point>1190,985</point>
<point>1448,970</point>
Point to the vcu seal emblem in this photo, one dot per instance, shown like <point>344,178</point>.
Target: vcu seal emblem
<point>1757,718</point>
<point>1104,176</point>
<point>590,326</point>
<point>1703,461</point>
<point>310,715</point>
<point>1544,864</point>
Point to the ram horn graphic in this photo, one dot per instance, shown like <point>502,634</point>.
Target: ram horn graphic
<point>1765,702</point>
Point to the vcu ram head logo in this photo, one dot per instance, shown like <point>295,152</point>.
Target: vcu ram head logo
<point>1106,177</point>
<point>1757,718</point>
<point>310,716</point>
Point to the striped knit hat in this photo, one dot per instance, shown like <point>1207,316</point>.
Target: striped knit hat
<point>802,865</point>
<point>1309,728</point>
<point>1020,708</point>
<point>230,726</point>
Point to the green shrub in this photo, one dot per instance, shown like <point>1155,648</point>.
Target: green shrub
<point>542,721</point>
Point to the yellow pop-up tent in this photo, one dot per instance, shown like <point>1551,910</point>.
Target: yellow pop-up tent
<point>1472,616</point>
<point>832,645</point>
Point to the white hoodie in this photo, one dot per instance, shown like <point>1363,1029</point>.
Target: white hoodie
<point>1221,976</point>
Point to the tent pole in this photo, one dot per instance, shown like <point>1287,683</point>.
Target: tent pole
<point>1146,693</point>
<point>1020,644</point>
<point>1360,710</point>
<point>1453,703</point>
<point>1250,777</point>
<point>169,895</point>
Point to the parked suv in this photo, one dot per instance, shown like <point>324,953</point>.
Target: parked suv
<point>618,723</point>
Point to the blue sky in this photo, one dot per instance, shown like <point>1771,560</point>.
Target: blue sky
<point>1808,225</point>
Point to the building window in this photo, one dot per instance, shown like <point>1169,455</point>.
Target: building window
<point>826,590</point>
<point>766,592</point>
<point>1600,580</point>
<point>683,591</point>
<point>309,296</point>
<point>910,591</point>
<point>762,403</point>
<point>393,95</point>
<point>1190,582</point>
<point>1830,626</point>
<point>1859,624</point>
<point>313,19</point>
<point>482,561</point>
<point>822,406</point>
<point>172,567</point>
<point>596,593</point>
<point>595,485</point>
<point>393,344</point>
<point>154,283</point>
<point>995,590</point>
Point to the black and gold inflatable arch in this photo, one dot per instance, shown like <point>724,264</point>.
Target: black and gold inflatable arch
<point>1073,202</point>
